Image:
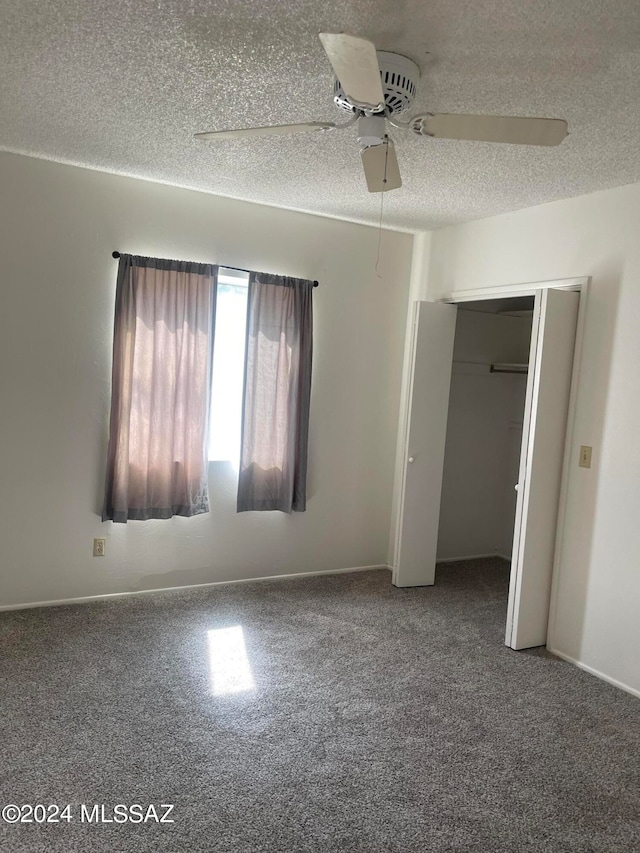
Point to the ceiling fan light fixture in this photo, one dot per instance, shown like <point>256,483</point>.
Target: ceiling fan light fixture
<point>371,130</point>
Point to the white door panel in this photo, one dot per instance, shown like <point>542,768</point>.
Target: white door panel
<point>433,336</point>
<point>545,422</point>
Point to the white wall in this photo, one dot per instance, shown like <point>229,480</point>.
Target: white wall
<point>597,613</point>
<point>58,227</point>
<point>478,500</point>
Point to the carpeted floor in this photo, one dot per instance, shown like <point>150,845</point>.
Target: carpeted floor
<point>379,720</point>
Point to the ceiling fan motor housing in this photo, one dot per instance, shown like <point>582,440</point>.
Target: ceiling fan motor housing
<point>399,77</point>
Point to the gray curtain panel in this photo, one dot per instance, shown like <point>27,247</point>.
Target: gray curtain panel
<point>277,389</point>
<point>161,379</point>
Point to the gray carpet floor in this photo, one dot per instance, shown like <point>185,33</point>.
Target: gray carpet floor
<point>379,720</point>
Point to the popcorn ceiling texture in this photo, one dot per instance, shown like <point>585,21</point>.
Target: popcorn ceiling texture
<point>122,86</point>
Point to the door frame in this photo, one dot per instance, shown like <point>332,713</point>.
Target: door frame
<point>580,284</point>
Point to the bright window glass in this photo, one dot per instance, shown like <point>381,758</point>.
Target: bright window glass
<point>228,367</point>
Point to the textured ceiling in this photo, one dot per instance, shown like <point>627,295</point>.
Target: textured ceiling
<point>122,86</point>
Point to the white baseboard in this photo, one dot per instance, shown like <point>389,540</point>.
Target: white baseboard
<point>470,557</point>
<point>595,672</point>
<point>110,595</point>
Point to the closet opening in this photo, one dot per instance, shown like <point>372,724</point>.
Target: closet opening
<point>489,406</point>
<point>484,438</point>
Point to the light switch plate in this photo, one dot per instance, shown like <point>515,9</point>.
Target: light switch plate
<point>585,457</point>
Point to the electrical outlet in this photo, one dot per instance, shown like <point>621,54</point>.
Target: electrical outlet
<point>585,457</point>
<point>99,546</point>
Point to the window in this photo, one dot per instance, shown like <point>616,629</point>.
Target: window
<point>228,366</point>
<point>161,384</point>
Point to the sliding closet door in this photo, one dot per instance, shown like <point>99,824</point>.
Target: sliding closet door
<point>434,327</point>
<point>541,461</point>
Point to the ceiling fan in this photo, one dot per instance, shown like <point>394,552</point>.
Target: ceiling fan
<point>373,87</point>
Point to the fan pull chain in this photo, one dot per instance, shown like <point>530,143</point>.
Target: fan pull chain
<point>384,181</point>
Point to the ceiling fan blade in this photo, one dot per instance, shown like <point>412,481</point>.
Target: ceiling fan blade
<point>381,169</point>
<point>511,129</point>
<point>355,64</point>
<point>273,130</point>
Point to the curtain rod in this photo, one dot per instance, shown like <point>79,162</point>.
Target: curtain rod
<point>116,255</point>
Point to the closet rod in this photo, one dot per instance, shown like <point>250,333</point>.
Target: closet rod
<point>497,367</point>
<point>509,368</point>
<point>116,255</point>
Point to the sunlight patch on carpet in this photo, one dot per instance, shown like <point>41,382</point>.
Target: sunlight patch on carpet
<point>229,667</point>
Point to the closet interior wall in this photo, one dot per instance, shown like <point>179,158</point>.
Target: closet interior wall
<point>484,435</point>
